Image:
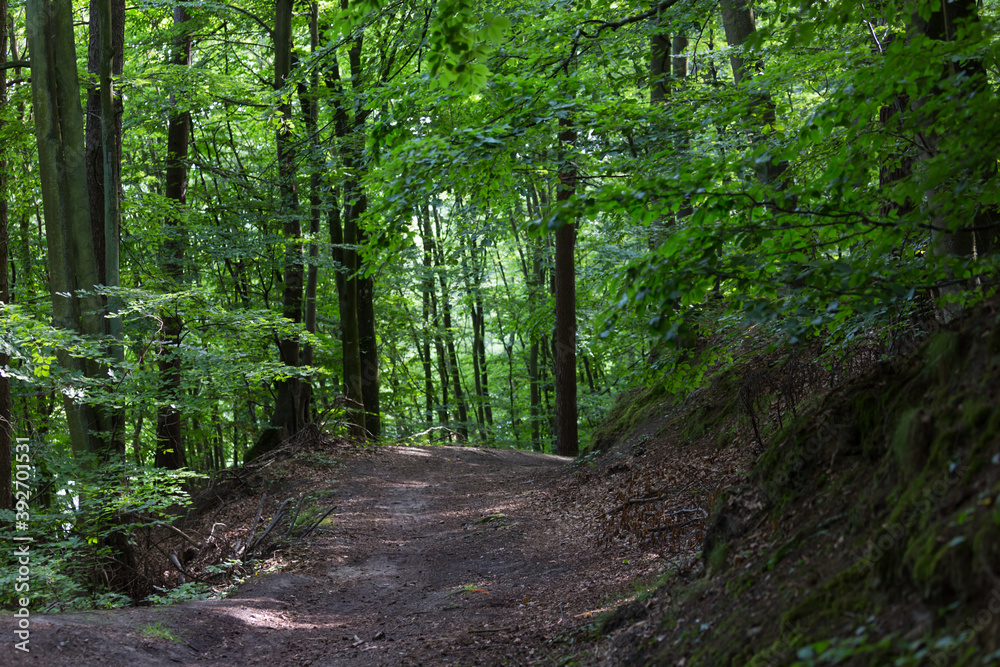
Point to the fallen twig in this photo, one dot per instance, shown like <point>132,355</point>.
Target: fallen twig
<point>318,521</point>
<point>486,631</point>
<point>183,535</point>
<point>291,524</point>
<point>270,527</point>
<point>253,527</point>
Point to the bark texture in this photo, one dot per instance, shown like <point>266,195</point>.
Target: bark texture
<point>73,266</point>
<point>565,290</point>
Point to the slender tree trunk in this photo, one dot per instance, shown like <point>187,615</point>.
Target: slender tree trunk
<point>289,411</point>
<point>477,264</point>
<point>461,413</point>
<point>442,362</point>
<point>431,256</point>
<point>310,110</point>
<point>6,418</point>
<point>169,425</point>
<point>659,62</point>
<point>534,277</point>
<point>96,116</point>
<point>103,166</point>
<point>344,238</point>
<point>534,397</point>
<point>589,374</point>
<point>462,409</point>
<point>484,370</point>
<point>370,386</point>
<point>472,276</point>
<point>565,291</point>
<point>367,340</point>
<point>427,287</point>
<point>351,337</point>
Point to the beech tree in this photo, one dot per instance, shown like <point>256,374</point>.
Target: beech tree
<point>169,429</point>
<point>6,416</point>
<point>73,266</point>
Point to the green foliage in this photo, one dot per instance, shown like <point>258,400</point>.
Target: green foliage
<point>160,631</point>
<point>191,590</point>
<point>78,513</point>
<point>812,201</point>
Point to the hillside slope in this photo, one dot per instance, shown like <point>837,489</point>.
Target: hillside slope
<point>860,524</point>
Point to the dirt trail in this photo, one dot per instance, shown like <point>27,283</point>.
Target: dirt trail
<point>437,555</point>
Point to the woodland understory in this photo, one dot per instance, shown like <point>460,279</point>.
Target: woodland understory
<point>228,229</point>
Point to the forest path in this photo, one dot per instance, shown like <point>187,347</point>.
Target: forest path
<point>437,555</point>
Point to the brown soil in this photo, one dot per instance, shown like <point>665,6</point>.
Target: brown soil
<point>435,555</point>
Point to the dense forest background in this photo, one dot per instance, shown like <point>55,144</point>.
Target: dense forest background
<point>468,221</point>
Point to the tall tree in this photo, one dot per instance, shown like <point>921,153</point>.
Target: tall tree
<point>951,237</point>
<point>426,289</point>
<point>6,417</point>
<point>565,292</point>
<point>344,242</point>
<point>73,263</point>
<point>169,420</point>
<point>367,340</point>
<point>289,410</point>
<point>309,96</point>
<point>659,62</point>
<point>740,24</point>
<point>104,117</point>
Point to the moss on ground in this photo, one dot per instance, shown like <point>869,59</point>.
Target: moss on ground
<point>885,495</point>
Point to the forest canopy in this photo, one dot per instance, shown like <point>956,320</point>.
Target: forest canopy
<point>471,221</point>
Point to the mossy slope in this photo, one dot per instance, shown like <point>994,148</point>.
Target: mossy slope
<point>879,540</point>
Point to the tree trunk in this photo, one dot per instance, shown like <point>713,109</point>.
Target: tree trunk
<point>369,356</point>
<point>368,343</point>
<point>565,291</point>
<point>430,255</point>
<point>480,372</point>
<point>344,238</point>
<point>6,418</point>
<point>739,23</point>
<point>97,183</point>
<point>480,351</point>
<point>350,326</point>
<point>534,278</point>
<point>289,412</point>
<point>659,62</point>
<point>442,362</point>
<point>947,238</point>
<point>169,426</point>
<point>309,97</point>
<point>461,413</point>
<point>72,262</point>
<point>427,287</point>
